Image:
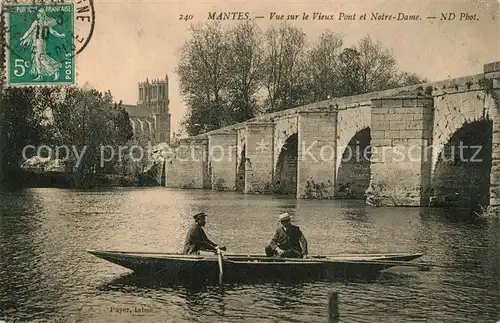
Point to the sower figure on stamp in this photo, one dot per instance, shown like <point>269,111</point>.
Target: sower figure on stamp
<point>288,241</point>
<point>197,240</point>
<point>41,63</point>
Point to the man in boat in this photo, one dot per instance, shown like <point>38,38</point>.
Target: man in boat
<point>288,241</point>
<point>196,239</point>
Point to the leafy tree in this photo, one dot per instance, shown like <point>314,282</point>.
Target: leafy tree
<point>23,122</point>
<point>121,133</point>
<point>121,122</point>
<point>88,120</point>
<point>56,116</point>
<point>203,116</point>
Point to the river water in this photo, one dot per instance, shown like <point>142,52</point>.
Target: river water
<point>46,275</point>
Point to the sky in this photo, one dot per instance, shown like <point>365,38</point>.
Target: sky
<point>136,40</point>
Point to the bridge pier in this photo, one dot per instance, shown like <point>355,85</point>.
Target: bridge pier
<point>259,154</point>
<point>222,148</point>
<point>188,167</point>
<point>317,154</point>
<point>401,151</point>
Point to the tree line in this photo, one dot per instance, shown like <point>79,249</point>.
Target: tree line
<point>80,119</point>
<point>229,75</point>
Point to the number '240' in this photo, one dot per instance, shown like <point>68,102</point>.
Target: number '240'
<point>185,17</point>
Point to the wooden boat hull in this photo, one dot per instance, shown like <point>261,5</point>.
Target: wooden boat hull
<point>237,267</point>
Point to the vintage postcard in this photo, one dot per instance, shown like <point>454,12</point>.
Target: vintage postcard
<point>229,161</point>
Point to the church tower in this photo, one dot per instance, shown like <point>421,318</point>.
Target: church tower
<point>153,98</point>
<point>160,109</point>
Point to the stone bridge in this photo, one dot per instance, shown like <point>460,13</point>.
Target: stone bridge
<point>435,143</point>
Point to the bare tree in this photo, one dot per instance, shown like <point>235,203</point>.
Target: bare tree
<point>245,68</point>
<point>349,72</point>
<point>222,72</point>
<point>369,67</point>
<point>405,79</point>
<point>203,75</point>
<point>284,77</point>
<point>378,67</point>
<point>323,66</point>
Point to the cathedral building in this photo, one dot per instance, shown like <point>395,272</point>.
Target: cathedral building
<point>150,118</point>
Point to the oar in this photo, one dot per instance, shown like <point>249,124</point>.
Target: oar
<point>219,260</point>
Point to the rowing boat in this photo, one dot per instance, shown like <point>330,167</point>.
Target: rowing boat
<point>238,267</point>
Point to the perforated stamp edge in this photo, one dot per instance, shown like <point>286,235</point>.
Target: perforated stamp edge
<point>83,11</point>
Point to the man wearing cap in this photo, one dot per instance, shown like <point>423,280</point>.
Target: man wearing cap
<point>196,239</point>
<point>288,241</point>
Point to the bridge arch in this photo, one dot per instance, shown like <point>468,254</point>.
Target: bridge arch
<point>285,174</point>
<point>353,173</point>
<point>461,171</point>
<point>350,122</point>
<point>453,112</point>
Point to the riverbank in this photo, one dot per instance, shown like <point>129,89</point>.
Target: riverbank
<point>30,179</point>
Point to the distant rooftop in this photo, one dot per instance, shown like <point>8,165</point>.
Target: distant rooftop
<point>135,111</point>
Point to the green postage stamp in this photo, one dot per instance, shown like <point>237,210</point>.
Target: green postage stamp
<point>40,44</point>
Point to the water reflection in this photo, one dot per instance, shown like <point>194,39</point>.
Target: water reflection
<point>226,301</point>
<point>45,272</point>
<point>23,286</point>
<point>356,215</point>
<point>287,297</point>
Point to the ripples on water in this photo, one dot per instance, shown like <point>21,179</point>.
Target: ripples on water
<point>46,275</point>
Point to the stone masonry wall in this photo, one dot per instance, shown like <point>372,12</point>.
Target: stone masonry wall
<point>492,75</point>
<point>456,103</point>
<point>462,106</point>
<point>187,167</point>
<point>403,117</point>
<point>259,148</point>
<point>402,129</point>
<point>317,133</point>
<point>222,148</point>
